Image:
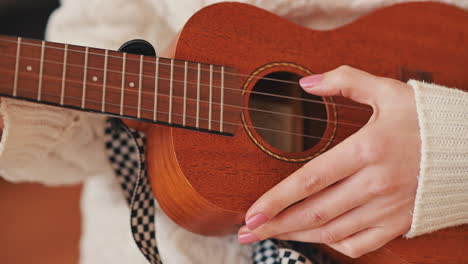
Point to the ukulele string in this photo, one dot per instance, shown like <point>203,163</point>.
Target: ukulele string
<point>179,115</point>
<point>241,108</point>
<point>137,60</point>
<point>207,85</point>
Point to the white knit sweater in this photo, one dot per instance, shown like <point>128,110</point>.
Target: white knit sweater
<point>63,147</point>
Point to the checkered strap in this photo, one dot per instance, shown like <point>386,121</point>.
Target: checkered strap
<point>270,252</point>
<point>266,252</point>
<point>289,256</point>
<point>273,251</point>
<point>126,152</point>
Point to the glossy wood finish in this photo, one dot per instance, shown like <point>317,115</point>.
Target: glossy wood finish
<point>217,177</point>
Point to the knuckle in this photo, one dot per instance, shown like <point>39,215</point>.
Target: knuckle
<point>382,183</point>
<point>392,88</point>
<point>355,253</point>
<point>391,83</point>
<point>311,183</point>
<point>340,74</point>
<point>313,217</point>
<point>381,186</point>
<point>327,237</point>
<point>340,78</point>
<point>370,151</point>
<point>344,69</point>
<point>352,251</point>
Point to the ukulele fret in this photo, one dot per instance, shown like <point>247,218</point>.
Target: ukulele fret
<point>85,73</point>
<point>64,74</point>
<point>210,103</point>
<point>18,52</point>
<point>221,104</point>
<point>171,87</point>
<point>104,82</point>
<point>41,72</point>
<point>185,94</point>
<point>156,83</point>
<point>122,90</point>
<point>139,87</point>
<point>81,78</point>
<point>198,95</point>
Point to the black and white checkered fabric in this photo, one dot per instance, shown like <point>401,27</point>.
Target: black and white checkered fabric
<point>272,251</point>
<point>124,156</point>
<point>266,252</point>
<point>126,150</point>
<point>289,256</point>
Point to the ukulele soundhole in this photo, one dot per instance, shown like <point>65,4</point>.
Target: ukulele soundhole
<point>284,121</point>
<point>285,116</point>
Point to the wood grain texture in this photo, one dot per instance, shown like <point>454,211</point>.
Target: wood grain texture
<point>176,195</point>
<point>227,175</point>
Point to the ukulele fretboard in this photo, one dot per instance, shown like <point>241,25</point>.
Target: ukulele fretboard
<point>180,93</point>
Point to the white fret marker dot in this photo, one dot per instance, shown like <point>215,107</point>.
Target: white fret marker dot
<point>132,84</point>
<point>95,78</point>
<point>29,68</point>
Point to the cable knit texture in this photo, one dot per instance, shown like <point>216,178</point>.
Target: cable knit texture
<point>442,196</point>
<point>52,146</point>
<point>37,144</point>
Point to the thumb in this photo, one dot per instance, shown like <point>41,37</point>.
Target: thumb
<point>345,81</point>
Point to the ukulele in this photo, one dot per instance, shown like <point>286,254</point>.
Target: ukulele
<point>226,119</point>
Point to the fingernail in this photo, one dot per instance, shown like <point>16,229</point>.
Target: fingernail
<point>244,230</point>
<point>310,81</point>
<point>256,221</point>
<point>247,238</point>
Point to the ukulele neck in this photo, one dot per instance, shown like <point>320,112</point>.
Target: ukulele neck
<point>185,94</point>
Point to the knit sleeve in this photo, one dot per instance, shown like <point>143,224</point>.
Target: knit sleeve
<point>49,145</point>
<point>442,194</point>
<point>57,146</point>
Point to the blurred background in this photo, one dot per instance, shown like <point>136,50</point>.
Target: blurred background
<point>38,224</point>
<point>25,17</point>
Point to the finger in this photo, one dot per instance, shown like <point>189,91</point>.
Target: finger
<point>339,228</point>
<point>365,241</point>
<point>386,228</point>
<point>346,81</point>
<point>332,166</point>
<point>320,208</point>
<point>379,212</point>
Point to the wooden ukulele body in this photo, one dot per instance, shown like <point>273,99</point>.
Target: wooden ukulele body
<point>206,182</point>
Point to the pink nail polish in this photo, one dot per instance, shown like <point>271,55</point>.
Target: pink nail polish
<point>256,221</point>
<point>310,81</point>
<point>247,238</point>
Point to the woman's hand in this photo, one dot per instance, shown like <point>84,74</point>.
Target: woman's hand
<point>360,194</point>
